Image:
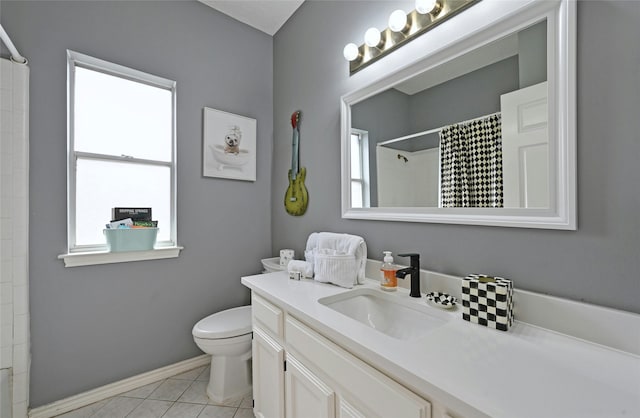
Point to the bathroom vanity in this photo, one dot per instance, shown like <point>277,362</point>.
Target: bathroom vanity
<point>318,353</point>
<point>305,374</point>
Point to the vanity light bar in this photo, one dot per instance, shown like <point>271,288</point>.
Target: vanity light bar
<point>428,14</point>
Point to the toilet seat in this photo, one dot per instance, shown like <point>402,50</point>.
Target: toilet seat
<point>225,324</point>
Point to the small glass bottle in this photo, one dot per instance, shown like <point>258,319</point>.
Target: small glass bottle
<point>388,279</point>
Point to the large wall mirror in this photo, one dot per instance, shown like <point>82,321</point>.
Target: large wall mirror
<point>479,131</point>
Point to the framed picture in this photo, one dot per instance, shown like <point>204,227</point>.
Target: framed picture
<point>229,146</point>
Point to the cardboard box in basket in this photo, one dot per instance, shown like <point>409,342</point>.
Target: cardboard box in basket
<point>488,301</point>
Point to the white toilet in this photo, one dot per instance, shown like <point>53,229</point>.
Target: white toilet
<point>226,335</point>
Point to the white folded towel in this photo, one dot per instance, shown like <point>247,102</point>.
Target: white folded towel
<point>337,258</point>
<point>303,267</point>
<point>312,245</point>
<point>331,266</point>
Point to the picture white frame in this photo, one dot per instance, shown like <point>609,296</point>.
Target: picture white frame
<point>228,145</point>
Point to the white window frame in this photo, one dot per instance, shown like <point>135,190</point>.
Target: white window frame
<point>98,254</point>
<point>364,166</point>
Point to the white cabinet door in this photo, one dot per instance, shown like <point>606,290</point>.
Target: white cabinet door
<point>306,395</point>
<point>268,376</point>
<point>371,392</point>
<point>346,410</point>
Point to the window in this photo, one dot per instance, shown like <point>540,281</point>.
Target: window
<point>359,168</point>
<point>121,149</point>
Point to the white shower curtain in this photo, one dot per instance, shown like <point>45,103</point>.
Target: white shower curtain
<point>471,163</point>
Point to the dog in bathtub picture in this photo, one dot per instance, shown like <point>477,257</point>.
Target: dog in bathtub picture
<point>229,145</point>
<point>232,140</point>
<point>229,155</point>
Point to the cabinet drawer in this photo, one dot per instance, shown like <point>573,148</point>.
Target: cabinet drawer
<point>380,395</point>
<point>269,316</point>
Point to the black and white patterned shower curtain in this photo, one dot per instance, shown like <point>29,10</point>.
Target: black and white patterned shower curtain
<point>471,164</point>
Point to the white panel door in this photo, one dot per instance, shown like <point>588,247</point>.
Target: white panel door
<point>268,376</point>
<point>525,147</point>
<point>306,395</point>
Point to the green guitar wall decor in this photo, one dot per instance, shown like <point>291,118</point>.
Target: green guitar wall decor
<point>296,198</point>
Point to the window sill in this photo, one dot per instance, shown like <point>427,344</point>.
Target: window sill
<point>105,257</point>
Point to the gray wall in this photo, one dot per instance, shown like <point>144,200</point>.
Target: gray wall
<point>94,325</point>
<point>466,97</point>
<point>392,114</point>
<point>532,57</point>
<point>598,263</point>
<point>384,116</point>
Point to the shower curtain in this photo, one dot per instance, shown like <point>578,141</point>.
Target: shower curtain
<point>471,163</point>
<point>14,246</point>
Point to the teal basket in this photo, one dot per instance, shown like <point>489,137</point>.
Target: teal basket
<point>134,239</point>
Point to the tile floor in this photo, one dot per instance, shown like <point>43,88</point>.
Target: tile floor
<point>180,396</point>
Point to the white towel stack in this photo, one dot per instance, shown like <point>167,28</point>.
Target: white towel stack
<point>337,258</point>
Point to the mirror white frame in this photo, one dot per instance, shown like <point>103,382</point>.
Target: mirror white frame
<point>481,24</point>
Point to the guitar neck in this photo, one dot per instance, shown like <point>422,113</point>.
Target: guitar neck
<point>294,154</point>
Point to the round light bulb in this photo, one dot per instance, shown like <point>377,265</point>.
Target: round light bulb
<point>425,6</point>
<point>372,37</point>
<point>397,20</point>
<point>350,52</point>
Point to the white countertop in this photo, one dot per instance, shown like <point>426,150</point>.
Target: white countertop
<point>525,372</point>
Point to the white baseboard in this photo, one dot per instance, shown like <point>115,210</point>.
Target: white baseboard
<point>113,389</point>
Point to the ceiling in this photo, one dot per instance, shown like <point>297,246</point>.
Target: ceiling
<point>265,15</point>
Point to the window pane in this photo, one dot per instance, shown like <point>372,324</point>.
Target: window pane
<point>117,116</point>
<point>102,185</point>
<point>356,194</point>
<point>356,165</point>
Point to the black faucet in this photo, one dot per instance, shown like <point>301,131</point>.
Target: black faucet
<point>414,271</point>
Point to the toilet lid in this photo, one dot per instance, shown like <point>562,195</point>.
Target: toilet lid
<point>225,324</point>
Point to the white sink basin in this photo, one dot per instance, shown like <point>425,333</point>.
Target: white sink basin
<point>395,314</point>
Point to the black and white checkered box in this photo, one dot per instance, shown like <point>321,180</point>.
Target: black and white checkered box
<point>487,301</point>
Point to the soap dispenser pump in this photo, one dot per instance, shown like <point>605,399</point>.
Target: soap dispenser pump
<point>388,279</point>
